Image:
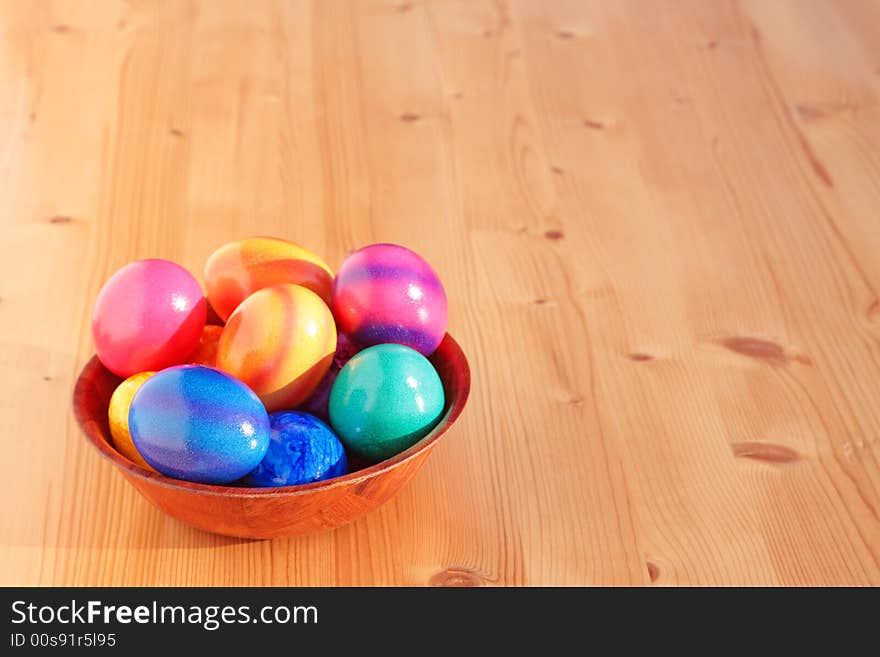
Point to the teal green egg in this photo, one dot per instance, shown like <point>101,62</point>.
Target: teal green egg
<point>384,400</point>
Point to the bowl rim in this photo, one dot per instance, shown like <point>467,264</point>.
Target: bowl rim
<point>462,375</point>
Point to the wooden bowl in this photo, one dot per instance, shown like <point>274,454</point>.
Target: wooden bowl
<point>271,512</point>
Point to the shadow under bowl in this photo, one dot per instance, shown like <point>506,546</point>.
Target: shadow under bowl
<point>271,512</point>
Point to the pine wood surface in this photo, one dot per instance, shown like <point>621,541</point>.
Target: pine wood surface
<point>657,223</point>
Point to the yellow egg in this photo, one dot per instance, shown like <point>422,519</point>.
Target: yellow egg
<point>120,402</point>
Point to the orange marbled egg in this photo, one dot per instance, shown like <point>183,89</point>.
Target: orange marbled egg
<point>238,269</point>
<point>280,341</point>
<point>206,351</point>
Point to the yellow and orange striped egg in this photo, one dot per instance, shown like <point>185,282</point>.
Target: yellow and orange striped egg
<point>280,341</point>
<point>238,269</point>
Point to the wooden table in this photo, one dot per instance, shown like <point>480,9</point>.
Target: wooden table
<point>658,224</point>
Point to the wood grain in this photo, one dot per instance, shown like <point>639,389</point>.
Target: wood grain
<point>656,222</point>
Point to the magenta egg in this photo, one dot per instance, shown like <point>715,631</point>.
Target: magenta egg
<point>148,316</point>
<point>386,293</point>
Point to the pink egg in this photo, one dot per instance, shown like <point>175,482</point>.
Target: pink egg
<point>148,316</point>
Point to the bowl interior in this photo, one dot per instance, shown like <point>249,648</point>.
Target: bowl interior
<point>95,385</point>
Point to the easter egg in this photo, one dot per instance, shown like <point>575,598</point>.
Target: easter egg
<point>120,403</point>
<point>238,269</point>
<point>387,293</point>
<point>196,423</point>
<point>318,401</point>
<point>206,350</point>
<point>280,341</point>
<point>384,400</point>
<point>302,450</point>
<point>148,316</point>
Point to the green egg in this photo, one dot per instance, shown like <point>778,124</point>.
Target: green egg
<point>384,400</point>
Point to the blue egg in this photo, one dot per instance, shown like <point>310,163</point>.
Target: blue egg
<point>196,423</point>
<point>302,450</point>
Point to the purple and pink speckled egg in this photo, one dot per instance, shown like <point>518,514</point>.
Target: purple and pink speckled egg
<point>385,293</point>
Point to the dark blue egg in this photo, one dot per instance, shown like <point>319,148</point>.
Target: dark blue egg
<point>196,423</point>
<point>302,450</point>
